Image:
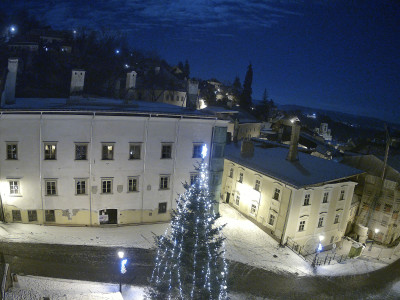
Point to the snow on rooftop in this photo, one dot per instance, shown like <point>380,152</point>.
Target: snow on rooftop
<point>308,170</point>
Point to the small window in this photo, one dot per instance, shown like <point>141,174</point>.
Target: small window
<point>162,207</point>
<point>387,208</point>
<point>32,215</point>
<point>271,220</point>
<point>134,151</point>
<point>253,209</point>
<point>12,151</point>
<point>81,151</point>
<point>336,219</point>
<point>237,201</point>
<point>16,215</point>
<point>80,186</point>
<point>197,148</point>
<point>107,152</point>
<point>193,178</point>
<point>14,187</point>
<point>50,215</point>
<point>106,186</point>
<point>132,184</point>
<point>50,151</point>
<point>341,195</point>
<point>307,199</point>
<point>277,192</point>
<point>302,225</point>
<point>321,222</point>
<point>241,178</point>
<point>166,151</point>
<point>231,173</point>
<point>164,182</point>
<point>51,187</point>
<point>257,185</point>
<point>325,198</point>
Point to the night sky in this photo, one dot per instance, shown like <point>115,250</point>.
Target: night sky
<point>337,55</point>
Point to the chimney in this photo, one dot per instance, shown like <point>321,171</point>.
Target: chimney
<point>130,80</point>
<point>8,96</point>
<point>77,82</point>
<point>294,140</point>
<point>247,149</point>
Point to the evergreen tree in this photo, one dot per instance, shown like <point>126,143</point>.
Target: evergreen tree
<point>186,69</point>
<point>236,89</point>
<point>190,262</point>
<point>245,99</point>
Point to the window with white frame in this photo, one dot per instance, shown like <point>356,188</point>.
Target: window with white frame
<point>276,195</point>
<point>80,186</point>
<point>257,185</point>
<point>81,151</point>
<point>106,185</point>
<point>337,217</point>
<point>237,200</point>
<point>307,199</point>
<point>240,177</point>
<point>12,151</point>
<point>341,195</point>
<point>134,150</point>
<point>325,197</point>
<point>320,222</point>
<point>133,184</point>
<point>197,148</point>
<point>253,209</point>
<point>50,151</point>
<point>51,187</point>
<point>164,182</point>
<point>14,187</point>
<point>271,220</point>
<point>107,151</point>
<point>166,151</point>
<point>302,225</point>
<point>231,173</point>
<point>193,178</point>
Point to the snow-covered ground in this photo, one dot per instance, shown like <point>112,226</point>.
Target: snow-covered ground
<point>245,243</point>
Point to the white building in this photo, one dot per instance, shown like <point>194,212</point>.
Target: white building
<point>324,132</point>
<point>95,161</point>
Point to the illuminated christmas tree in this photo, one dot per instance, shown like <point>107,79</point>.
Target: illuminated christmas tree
<point>190,260</point>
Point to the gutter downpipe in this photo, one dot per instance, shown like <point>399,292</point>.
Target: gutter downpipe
<point>177,131</point>
<point>282,241</point>
<point>146,133</point>
<point>90,169</point>
<point>40,165</point>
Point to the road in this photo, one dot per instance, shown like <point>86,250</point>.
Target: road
<point>101,264</point>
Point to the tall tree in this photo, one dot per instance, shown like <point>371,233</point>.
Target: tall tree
<point>186,69</point>
<point>190,262</point>
<point>245,99</point>
<point>236,89</point>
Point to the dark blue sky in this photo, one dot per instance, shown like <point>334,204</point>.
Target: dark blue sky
<point>338,55</point>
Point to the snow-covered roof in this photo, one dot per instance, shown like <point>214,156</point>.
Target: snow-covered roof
<point>307,171</point>
<point>101,105</point>
<point>219,109</point>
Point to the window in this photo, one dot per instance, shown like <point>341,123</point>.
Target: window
<point>107,152</point>
<point>307,199</point>
<point>237,201</point>
<point>302,225</point>
<point>162,207</point>
<point>271,220</point>
<point>80,186</point>
<point>325,198</point>
<point>132,184</point>
<point>231,173</point>
<point>341,195</point>
<point>336,219</point>
<point>193,178</point>
<point>321,222</point>
<point>81,151</point>
<point>50,215</point>
<point>166,151</point>
<point>106,186</point>
<point>14,187</point>
<point>164,182</point>
<point>387,208</point>
<point>253,209</point>
<point>134,151</point>
<point>32,215</point>
<point>218,151</point>
<point>50,151</point>
<point>197,148</point>
<point>257,185</point>
<point>276,194</point>
<point>241,177</point>
<point>51,187</point>
<point>16,215</point>
<point>12,151</point>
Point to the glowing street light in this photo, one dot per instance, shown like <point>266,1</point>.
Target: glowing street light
<point>319,249</point>
<point>13,29</point>
<point>123,268</point>
<point>121,254</point>
<point>117,51</point>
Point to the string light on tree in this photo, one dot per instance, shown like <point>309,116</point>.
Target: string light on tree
<point>190,262</point>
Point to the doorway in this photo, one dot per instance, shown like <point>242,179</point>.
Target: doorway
<point>108,216</point>
<point>228,195</point>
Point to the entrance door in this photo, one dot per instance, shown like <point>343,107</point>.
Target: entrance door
<point>228,195</point>
<point>108,216</point>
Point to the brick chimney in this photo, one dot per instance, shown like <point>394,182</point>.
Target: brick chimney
<point>294,140</point>
<point>77,82</point>
<point>8,95</point>
<point>130,80</point>
<point>247,149</point>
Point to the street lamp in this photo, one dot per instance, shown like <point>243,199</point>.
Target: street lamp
<point>319,249</point>
<point>123,268</point>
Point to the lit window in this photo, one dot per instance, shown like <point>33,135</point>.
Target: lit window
<point>336,219</point>
<point>107,152</point>
<point>12,151</point>
<point>16,215</point>
<point>50,151</point>
<point>80,186</point>
<point>32,215</point>
<point>341,195</point>
<point>14,187</point>
<point>231,173</point>
<point>134,151</point>
<point>276,194</point>
<point>197,148</point>
<point>106,186</point>
<point>51,187</point>
<point>321,222</point>
<point>302,225</point>
<point>162,207</point>
<point>80,151</point>
<point>257,185</point>
<point>193,178</point>
<point>271,220</point>
<point>166,151</point>
<point>241,177</point>
<point>325,198</point>
<point>237,201</point>
<point>307,199</point>
<point>164,182</point>
<point>132,184</point>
